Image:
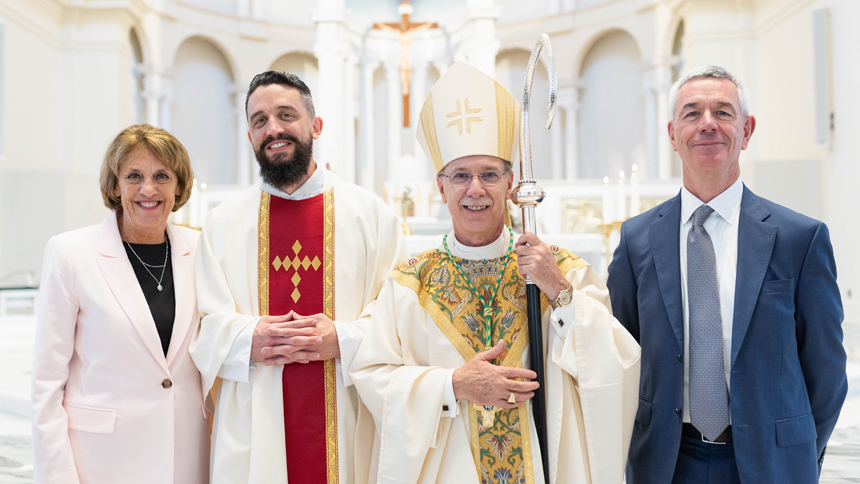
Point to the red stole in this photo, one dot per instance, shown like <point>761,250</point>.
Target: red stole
<point>296,273</point>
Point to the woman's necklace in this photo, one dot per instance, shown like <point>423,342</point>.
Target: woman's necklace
<point>488,412</point>
<point>163,266</point>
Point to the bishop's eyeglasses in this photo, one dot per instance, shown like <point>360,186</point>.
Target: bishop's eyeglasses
<point>488,178</point>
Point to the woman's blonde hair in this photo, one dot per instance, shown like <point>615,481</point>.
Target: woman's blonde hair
<point>161,144</point>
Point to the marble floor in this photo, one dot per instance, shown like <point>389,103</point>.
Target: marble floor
<point>842,464</point>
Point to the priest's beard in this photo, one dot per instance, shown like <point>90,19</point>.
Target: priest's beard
<point>284,171</point>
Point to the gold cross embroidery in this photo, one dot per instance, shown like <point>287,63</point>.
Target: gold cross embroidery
<point>296,263</point>
<point>469,119</point>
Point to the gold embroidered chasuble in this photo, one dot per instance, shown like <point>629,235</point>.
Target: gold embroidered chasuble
<point>502,452</point>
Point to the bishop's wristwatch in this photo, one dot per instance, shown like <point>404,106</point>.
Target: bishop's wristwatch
<point>564,297</point>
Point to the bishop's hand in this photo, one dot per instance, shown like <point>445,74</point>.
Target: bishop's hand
<point>480,381</point>
<point>535,261</point>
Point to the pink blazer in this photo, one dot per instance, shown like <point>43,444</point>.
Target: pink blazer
<point>107,406</point>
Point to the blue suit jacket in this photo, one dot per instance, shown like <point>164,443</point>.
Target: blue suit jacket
<point>788,378</point>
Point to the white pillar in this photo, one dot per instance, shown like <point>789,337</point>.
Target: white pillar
<point>480,46</point>
<point>567,99</point>
<point>331,50</point>
<point>417,93</point>
<point>557,157</point>
<point>156,96</point>
<point>554,7</point>
<point>348,127</point>
<point>395,117</point>
<point>651,132</point>
<point>367,173</point>
<point>243,146</point>
<point>663,75</point>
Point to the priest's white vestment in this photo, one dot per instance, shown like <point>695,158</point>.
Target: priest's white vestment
<point>248,435</point>
<point>405,363</point>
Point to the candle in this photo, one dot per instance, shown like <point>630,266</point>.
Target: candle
<point>635,205</point>
<point>204,204</point>
<point>606,218</point>
<point>621,203</point>
<point>194,206</point>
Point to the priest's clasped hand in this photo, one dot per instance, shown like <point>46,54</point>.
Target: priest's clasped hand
<point>480,381</point>
<point>535,261</point>
<point>293,338</point>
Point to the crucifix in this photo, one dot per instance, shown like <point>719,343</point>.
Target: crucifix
<point>405,29</point>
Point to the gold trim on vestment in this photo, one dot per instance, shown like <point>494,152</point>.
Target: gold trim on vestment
<point>432,277</point>
<point>330,368</point>
<point>263,251</point>
<point>428,124</point>
<point>505,107</point>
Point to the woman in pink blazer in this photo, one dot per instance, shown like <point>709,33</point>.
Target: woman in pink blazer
<point>116,397</point>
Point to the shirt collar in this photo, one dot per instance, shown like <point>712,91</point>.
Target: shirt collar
<point>312,187</point>
<point>493,250</point>
<point>726,204</point>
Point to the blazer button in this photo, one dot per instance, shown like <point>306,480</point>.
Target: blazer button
<point>680,358</point>
<point>167,383</point>
<point>678,412</point>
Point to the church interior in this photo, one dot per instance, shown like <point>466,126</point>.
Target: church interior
<point>79,71</point>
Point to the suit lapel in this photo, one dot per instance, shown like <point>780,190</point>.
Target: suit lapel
<point>664,240</point>
<point>183,285</point>
<point>119,275</point>
<point>755,246</point>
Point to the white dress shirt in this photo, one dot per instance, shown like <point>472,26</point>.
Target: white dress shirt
<point>722,227</point>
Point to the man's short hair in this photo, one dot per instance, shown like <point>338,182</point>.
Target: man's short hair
<point>285,79</point>
<point>713,72</point>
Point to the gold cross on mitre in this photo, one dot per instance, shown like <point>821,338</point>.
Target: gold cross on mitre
<point>405,29</point>
<point>296,263</point>
<point>461,116</point>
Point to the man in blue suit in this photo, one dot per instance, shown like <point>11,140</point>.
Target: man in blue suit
<point>734,302</point>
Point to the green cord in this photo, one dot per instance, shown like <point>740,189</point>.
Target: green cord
<point>488,308</point>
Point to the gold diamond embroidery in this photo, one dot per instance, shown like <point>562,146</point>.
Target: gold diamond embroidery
<point>296,278</point>
<point>306,263</point>
<point>297,262</point>
<point>277,263</point>
<point>296,295</point>
<point>297,247</point>
<point>316,263</point>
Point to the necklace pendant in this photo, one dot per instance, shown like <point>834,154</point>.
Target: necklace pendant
<point>159,287</point>
<point>488,415</point>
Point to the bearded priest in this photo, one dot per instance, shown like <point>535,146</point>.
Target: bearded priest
<point>443,367</point>
<point>287,273</point>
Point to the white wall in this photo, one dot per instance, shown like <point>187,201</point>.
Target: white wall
<point>612,113</point>
<point>203,112</point>
<point>511,68</point>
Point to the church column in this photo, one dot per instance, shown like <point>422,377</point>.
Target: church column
<point>480,48</point>
<point>416,101</point>
<point>330,50</point>
<point>243,148</point>
<point>156,96</point>
<point>348,96</point>
<point>367,174</point>
<point>664,147</point>
<point>557,142</point>
<point>568,99</point>
<point>651,132</point>
<point>395,116</point>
